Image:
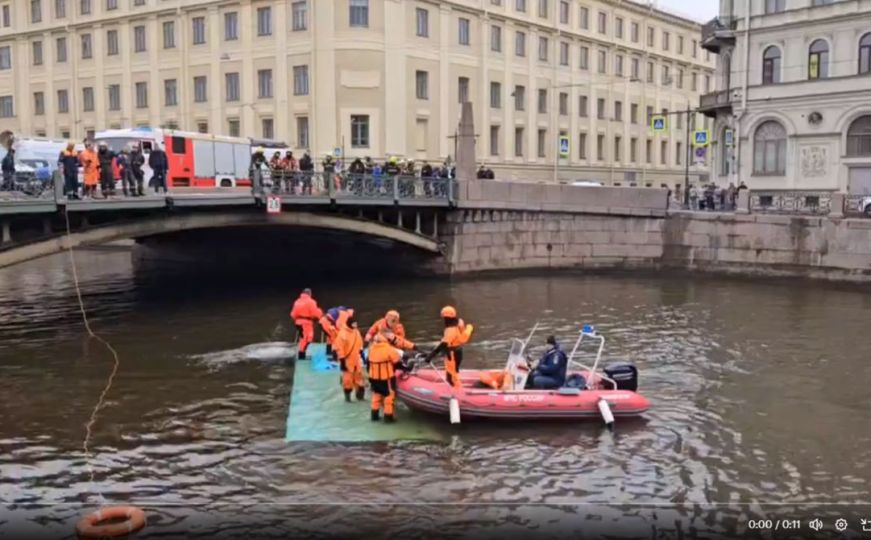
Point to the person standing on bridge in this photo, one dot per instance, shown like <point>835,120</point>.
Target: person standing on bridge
<point>91,164</point>
<point>107,174</point>
<point>8,168</point>
<point>68,162</point>
<point>159,165</point>
<point>304,314</point>
<point>349,347</point>
<point>137,160</point>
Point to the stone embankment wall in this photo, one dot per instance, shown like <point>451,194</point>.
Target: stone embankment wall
<point>518,226</point>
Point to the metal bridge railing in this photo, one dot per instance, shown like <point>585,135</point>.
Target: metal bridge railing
<point>364,187</point>
<point>25,186</point>
<point>815,203</point>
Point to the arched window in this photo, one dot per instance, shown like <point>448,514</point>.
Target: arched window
<point>859,137</point>
<point>771,65</point>
<point>725,153</point>
<point>818,60</point>
<point>865,53</point>
<point>769,149</point>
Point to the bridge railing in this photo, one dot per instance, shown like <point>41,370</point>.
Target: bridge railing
<point>347,187</point>
<point>817,203</point>
<point>26,186</point>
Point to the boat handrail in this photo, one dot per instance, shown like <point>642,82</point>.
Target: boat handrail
<point>589,331</point>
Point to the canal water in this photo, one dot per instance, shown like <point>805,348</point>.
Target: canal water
<point>760,393</point>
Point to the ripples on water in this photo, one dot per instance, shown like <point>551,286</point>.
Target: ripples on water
<point>759,393</point>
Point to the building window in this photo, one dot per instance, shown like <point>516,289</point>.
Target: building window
<point>603,61</point>
<point>359,130</point>
<point>61,50</point>
<point>774,6</point>
<point>564,12</point>
<point>520,44</point>
<point>496,95</point>
<point>463,89</point>
<point>203,127</point>
<point>618,111</point>
<point>63,101</point>
<point>231,86</point>
<point>859,137</point>
<point>85,7</point>
<point>170,92</point>
<point>231,26</point>
<point>111,4</point>
<point>865,54</point>
<point>422,16</point>
<point>35,11</point>
<point>600,147</point>
<point>141,95</point>
<point>542,8</point>
<point>542,143</point>
<point>233,127</point>
<point>618,65</point>
<point>618,27</point>
<point>520,5</point>
<point>695,49</point>
<point>7,107</point>
<point>199,30</point>
<point>648,151</point>
<point>694,82</point>
<point>201,89</point>
<point>666,40</point>
<point>678,153</point>
<point>650,74</point>
<point>633,150</point>
<point>264,23</point>
<point>114,97</point>
<point>600,108</point>
<point>769,149</point>
<point>465,31</point>
<point>519,98</point>
<point>651,36</point>
<point>584,62</point>
<point>666,76</point>
<point>38,103</point>
<point>267,127</point>
<point>36,52</point>
<point>139,39</point>
<point>264,83</point>
<point>707,83</point>
<point>679,44</point>
<point>494,140</point>
<point>663,152</point>
<point>818,60</point>
<point>112,47</point>
<point>603,23</point>
<point>169,35</point>
<point>421,84</point>
<point>679,77</point>
<point>633,32</point>
<point>60,9</point>
<point>299,12</point>
<point>563,104</point>
<point>584,18</point>
<point>359,17</point>
<point>496,38</point>
<point>5,57</point>
<point>635,68</point>
<point>302,132</point>
<point>300,80</point>
<point>542,101</point>
<point>725,156</point>
<point>582,146</point>
<point>564,54</point>
<point>543,46</point>
<point>583,106</point>
<point>618,144</point>
<point>771,65</point>
<point>518,142</point>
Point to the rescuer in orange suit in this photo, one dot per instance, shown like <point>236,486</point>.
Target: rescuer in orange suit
<point>328,325</point>
<point>397,331</point>
<point>348,346</point>
<point>457,333</point>
<point>304,314</point>
<point>384,359</point>
<point>91,165</point>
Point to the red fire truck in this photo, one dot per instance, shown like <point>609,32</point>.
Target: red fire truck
<point>195,159</point>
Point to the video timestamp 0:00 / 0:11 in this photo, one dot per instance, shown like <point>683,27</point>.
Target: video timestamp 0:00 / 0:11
<point>774,524</point>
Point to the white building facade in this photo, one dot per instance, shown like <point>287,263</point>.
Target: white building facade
<point>794,107</point>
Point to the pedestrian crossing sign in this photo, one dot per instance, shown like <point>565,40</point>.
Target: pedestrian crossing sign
<point>563,146</point>
<point>658,123</point>
<point>730,137</point>
<point>701,138</point>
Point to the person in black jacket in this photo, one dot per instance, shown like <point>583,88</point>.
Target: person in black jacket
<point>550,373</point>
<point>307,170</point>
<point>159,163</point>
<point>8,168</point>
<point>137,175</point>
<point>107,175</point>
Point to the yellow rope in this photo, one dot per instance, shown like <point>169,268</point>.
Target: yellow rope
<point>93,418</point>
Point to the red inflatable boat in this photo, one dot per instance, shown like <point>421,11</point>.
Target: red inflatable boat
<point>502,394</point>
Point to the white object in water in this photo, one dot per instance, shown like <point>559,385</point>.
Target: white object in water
<point>454,407</point>
<point>605,411</point>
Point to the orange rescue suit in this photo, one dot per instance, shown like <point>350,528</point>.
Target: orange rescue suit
<point>348,346</point>
<point>398,331</point>
<point>383,358</point>
<point>328,325</point>
<point>305,311</point>
<point>91,165</point>
<point>455,336</point>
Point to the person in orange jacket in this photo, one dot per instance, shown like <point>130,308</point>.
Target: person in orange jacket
<point>304,314</point>
<point>328,325</point>
<point>349,346</point>
<point>91,165</point>
<point>384,359</point>
<point>397,331</point>
<point>457,333</point>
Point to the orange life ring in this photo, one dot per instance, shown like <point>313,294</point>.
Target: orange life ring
<point>89,526</point>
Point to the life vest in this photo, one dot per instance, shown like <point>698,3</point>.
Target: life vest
<point>382,357</point>
<point>348,343</point>
<point>457,336</point>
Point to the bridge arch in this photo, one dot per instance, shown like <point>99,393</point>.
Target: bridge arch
<point>159,225</point>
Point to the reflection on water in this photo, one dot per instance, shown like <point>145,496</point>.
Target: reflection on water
<point>759,391</point>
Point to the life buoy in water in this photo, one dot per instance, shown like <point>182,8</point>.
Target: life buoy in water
<point>89,526</point>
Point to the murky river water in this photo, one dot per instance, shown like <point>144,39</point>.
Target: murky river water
<point>760,395</point>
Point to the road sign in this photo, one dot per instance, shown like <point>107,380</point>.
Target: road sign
<point>729,135</point>
<point>273,204</point>
<point>700,138</point>
<point>337,152</point>
<point>658,123</point>
<point>563,146</point>
<point>700,154</point>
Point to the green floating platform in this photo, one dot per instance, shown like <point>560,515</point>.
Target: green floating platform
<point>319,412</point>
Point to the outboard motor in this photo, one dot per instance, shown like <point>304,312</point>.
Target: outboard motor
<point>624,374</point>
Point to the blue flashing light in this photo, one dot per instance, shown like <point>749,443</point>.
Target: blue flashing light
<point>588,329</point>
<point>143,128</point>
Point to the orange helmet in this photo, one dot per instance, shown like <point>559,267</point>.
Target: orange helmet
<point>392,316</point>
<point>448,312</point>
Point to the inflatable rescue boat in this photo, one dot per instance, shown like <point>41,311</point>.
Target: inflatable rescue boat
<point>488,394</point>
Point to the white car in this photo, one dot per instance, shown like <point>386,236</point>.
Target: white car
<point>587,183</point>
<point>864,205</point>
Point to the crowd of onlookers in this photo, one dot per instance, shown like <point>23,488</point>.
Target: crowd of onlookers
<point>711,197</point>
